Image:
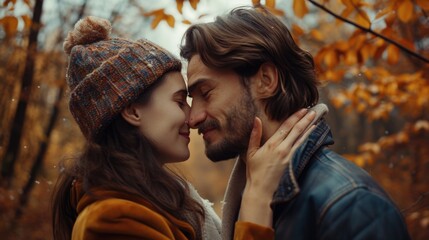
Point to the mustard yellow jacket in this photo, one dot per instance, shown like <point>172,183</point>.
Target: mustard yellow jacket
<point>106,214</point>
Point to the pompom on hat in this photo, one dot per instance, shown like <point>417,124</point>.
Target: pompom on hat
<point>106,74</point>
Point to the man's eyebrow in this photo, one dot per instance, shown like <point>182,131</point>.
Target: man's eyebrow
<point>192,87</point>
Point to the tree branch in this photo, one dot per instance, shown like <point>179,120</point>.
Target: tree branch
<point>368,30</point>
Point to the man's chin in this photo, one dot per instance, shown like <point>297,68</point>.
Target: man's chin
<point>221,154</point>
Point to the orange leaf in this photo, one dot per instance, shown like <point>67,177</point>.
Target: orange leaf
<point>10,25</point>
<point>256,2</point>
<point>297,30</point>
<point>392,54</point>
<point>156,20</point>
<point>170,20</point>
<point>363,19</point>
<point>331,59</point>
<point>179,4</point>
<point>405,11</point>
<point>194,3</point>
<point>347,11</point>
<point>351,57</point>
<point>367,51</point>
<point>300,8</point>
<point>342,46</point>
<point>270,3</point>
<point>154,12</point>
<point>187,22</point>
<point>6,2</point>
<point>316,34</point>
<point>28,3</point>
<point>424,4</point>
<point>27,21</point>
<point>383,12</point>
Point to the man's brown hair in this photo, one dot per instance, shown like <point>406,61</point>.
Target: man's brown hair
<point>242,41</point>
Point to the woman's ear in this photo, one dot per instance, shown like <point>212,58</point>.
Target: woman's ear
<point>266,80</point>
<point>131,115</point>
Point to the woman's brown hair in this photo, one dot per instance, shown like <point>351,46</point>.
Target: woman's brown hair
<point>246,38</point>
<point>123,160</point>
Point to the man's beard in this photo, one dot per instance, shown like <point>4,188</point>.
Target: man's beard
<point>237,130</point>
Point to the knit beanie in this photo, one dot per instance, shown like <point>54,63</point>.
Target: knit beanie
<point>106,74</point>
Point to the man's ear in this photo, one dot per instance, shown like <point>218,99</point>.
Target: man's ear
<point>266,81</point>
<point>131,115</point>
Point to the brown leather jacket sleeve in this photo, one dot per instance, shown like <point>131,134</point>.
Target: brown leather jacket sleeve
<point>251,231</point>
<point>122,219</point>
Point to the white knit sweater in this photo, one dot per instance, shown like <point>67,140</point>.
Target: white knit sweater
<point>212,226</point>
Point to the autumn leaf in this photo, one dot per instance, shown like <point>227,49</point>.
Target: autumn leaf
<point>367,51</point>
<point>300,8</point>
<point>316,34</point>
<point>187,22</point>
<point>6,2</point>
<point>347,11</point>
<point>28,3</point>
<point>10,25</point>
<point>342,46</point>
<point>179,4</point>
<point>297,30</point>
<point>351,57</point>
<point>405,11</point>
<point>156,20</point>
<point>170,20</point>
<point>160,15</point>
<point>270,3</point>
<point>27,21</point>
<point>154,12</point>
<point>383,12</point>
<point>331,59</point>
<point>392,54</point>
<point>256,2</point>
<point>194,3</point>
<point>363,20</point>
<point>424,4</point>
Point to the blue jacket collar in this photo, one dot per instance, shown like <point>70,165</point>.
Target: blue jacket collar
<point>288,187</point>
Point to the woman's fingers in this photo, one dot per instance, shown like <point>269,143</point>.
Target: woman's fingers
<point>287,126</point>
<point>298,133</point>
<point>255,137</point>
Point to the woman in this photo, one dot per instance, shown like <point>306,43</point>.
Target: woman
<point>129,100</point>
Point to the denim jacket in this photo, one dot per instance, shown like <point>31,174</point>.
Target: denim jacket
<point>324,196</point>
<point>321,196</point>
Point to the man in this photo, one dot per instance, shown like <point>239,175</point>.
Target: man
<point>246,64</point>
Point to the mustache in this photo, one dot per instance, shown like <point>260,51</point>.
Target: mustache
<point>208,124</point>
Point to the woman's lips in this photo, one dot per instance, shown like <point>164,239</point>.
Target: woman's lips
<point>185,134</point>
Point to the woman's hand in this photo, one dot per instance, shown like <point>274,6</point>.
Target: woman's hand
<point>265,164</point>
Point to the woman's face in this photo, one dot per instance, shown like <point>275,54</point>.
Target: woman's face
<point>164,119</point>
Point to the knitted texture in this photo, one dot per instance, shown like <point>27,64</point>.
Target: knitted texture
<point>105,74</point>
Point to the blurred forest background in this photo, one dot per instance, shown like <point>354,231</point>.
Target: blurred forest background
<point>372,55</point>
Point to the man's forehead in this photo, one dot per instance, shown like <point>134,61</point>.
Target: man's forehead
<point>197,71</point>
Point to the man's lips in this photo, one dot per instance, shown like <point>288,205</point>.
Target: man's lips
<point>205,132</point>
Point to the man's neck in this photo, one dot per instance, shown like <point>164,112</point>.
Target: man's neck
<point>269,127</point>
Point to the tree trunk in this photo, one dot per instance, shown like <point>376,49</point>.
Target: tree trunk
<point>8,165</point>
<point>37,165</point>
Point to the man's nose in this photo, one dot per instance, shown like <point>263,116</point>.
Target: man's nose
<point>196,116</point>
